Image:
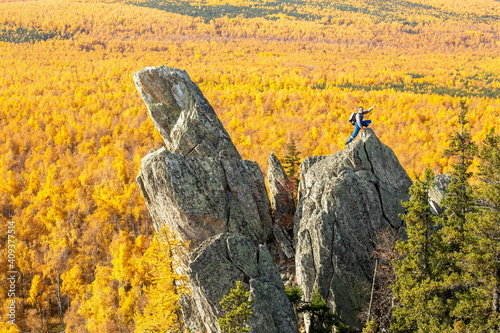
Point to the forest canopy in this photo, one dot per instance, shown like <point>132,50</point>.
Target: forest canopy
<point>73,127</point>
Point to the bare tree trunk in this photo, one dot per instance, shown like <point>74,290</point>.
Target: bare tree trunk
<point>59,300</point>
<point>373,290</point>
<point>496,293</point>
<point>495,299</point>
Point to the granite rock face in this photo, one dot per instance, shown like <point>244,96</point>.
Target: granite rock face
<point>438,192</point>
<point>216,265</point>
<point>182,115</point>
<point>200,187</point>
<point>282,205</point>
<point>199,197</point>
<point>344,200</point>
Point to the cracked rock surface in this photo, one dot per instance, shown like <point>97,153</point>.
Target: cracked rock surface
<point>229,257</point>
<point>182,115</point>
<point>437,193</point>
<point>282,205</point>
<point>200,187</point>
<point>199,197</point>
<point>344,200</point>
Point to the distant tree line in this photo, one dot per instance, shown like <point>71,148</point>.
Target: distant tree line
<point>313,10</point>
<point>24,35</point>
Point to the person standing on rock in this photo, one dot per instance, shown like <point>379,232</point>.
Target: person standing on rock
<point>357,120</point>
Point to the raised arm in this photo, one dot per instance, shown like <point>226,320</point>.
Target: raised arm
<point>368,110</point>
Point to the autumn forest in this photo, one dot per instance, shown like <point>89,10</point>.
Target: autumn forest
<point>73,127</point>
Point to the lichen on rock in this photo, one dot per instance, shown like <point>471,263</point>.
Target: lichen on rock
<point>345,200</point>
<point>200,187</point>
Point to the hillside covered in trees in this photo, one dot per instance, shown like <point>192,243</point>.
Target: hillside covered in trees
<point>73,128</point>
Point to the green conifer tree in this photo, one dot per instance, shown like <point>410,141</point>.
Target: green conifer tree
<point>480,306</point>
<point>238,307</point>
<point>456,232</point>
<point>416,288</point>
<point>292,163</point>
<point>459,199</point>
<point>449,296</point>
<point>322,320</point>
<point>294,294</point>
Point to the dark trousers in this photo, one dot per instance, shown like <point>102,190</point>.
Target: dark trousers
<point>354,134</point>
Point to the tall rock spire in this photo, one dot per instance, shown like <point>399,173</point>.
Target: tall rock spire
<point>200,187</point>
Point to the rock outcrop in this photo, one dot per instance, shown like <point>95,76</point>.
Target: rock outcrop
<point>199,197</point>
<point>200,187</point>
<point>182,115</point>
<point>345,200</point>
<point>282,205</point>
<point>215,266</point>
<point>438,192</point>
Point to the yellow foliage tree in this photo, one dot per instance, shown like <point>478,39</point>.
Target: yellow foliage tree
<point>100,309</point>
<point>165,287</point>
<point>9,328</point>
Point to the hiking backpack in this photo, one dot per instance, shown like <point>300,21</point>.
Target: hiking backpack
<point>352,118</point>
